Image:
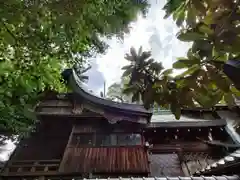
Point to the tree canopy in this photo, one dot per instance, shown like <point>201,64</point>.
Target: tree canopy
<point>213,29</point>
<point>38,39</point>
<point>115,91</point>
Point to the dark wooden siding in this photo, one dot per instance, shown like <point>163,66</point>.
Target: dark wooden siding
<point>105,160</point>
<point>42,151</point>
<point>49,142</point>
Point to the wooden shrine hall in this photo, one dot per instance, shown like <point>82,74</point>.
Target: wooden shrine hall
<point>80,135</point>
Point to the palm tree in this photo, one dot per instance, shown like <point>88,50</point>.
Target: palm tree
<point>144,73</point>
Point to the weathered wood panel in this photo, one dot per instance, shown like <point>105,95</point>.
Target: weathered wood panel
<point>105,160</point>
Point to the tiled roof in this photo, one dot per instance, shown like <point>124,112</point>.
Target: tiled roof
<point>82,92</point>
<point>227,161</point>
<point>234,177</point>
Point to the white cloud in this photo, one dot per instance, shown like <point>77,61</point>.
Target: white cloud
<point>152,32</point>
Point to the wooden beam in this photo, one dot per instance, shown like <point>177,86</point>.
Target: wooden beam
<point>34,165</point>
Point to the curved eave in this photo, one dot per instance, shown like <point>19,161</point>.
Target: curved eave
<point>80,94</point>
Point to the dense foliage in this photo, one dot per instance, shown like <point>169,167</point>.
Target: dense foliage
<point>115,91</point>
<point>149,82</point>
<point>40,38</point>
<point>213,28</point>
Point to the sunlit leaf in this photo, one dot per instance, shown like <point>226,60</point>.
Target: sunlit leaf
<point>185,63</point>
<point>127,67</point>
<point>171,6</point>
<point>205,29</point>
<point>167,72</point>
<point>176,110</point>
<point>191,16</point>
<point>127,72</point>
<point>198,4</point>
<point>190,36</point>
<point>229,99</point>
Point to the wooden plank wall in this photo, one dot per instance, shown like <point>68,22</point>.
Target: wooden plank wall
<point>105,160</point>
<point>79,159</point>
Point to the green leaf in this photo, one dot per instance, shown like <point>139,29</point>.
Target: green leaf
<point>133,52</point>
<point>127,72</point>
<point>217,97</point>
<point>229,99</point>
<point>171,6</point>
<point>195,68</point>
<point>176,110</point>
<point>185,63</point>
<point>203,28</point>
<point>208,19</point>
<point>179,15</point>
<point>127,67</point>
<point>191,16</point>
<point>140,51</point>
<point>167,72</point>
<point>235,91</point>
<point>190,36</point>
<point>199,6</point>
<point>136,97</point>
<point>218,79</point>
<point>202,97</point>
<point>218,55</point>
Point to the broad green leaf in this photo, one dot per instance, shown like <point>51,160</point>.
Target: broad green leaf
<point>167,72</point>
<point>185,63</point>
<point>203,28</point>
<point>171,6</point>
<point>229,99</point>
<point>202,99</point>
<point>136,97</point>
<point>179,15</point>
<point>179,65</point>
<point>195,68</point>
<point>140,51</point>
<point>208,19</point>
<point>217,97</point>
<point>235,91</point>
<point>176,110</point>
<point>127,72</point>
<point>198,4</point>
<point>191,16</point>
<point>133,52</point>
<point>129,57</point>
<point>127,67</point>
<point>190,36</point>
<point>220,81</point>
<point>218,55</point>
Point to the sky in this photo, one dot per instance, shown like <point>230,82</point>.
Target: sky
<point>152,33</point>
